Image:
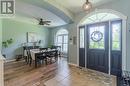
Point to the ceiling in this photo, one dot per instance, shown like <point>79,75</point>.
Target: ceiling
<point>75,6</point>
<point>28,10</point>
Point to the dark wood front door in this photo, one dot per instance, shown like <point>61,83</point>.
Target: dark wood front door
<point>101,47</point>
<point>98,46</point>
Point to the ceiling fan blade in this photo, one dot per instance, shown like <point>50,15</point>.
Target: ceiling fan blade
<point>38,19</point>
<point>48,23</point>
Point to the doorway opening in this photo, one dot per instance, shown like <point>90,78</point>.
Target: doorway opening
<point>100,45</point>
<point>62,41</point>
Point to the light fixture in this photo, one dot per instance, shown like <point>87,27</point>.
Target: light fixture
<point>87,5</point>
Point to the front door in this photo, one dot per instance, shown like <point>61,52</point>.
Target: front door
<point>101,47</point>
<point>98,46</point>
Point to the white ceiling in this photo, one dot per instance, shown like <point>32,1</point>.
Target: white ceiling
<point>31,12</point>
<point>75,6</point>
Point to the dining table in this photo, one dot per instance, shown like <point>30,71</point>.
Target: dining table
<point>35,52</point>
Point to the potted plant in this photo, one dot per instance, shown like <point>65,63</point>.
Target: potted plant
<point>6,44</point>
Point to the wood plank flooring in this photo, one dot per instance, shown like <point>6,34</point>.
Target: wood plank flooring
<point>55,74</point>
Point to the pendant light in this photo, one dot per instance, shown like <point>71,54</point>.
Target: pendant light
<point>87,6</point>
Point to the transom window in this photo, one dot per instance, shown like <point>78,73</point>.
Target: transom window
<point>100,17</point>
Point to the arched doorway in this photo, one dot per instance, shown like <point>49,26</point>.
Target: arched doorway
<point>62,41</point>
<point>99,31</point>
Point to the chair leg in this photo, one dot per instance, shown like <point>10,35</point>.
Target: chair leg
<point>45,60</point>
<point>56,58</point>
<point>30,63</point>
<point>27,60</point>
<point>35,62</point>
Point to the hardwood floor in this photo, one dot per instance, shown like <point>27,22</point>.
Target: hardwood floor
<point>56,74</point>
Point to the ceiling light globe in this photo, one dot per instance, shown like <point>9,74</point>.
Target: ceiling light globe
<point>87,6</point>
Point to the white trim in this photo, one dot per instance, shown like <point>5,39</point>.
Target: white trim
<point>6,61</point>
<point>73,64</point>
<point>124,43</point>
<point>1,70</point>
<point>109,55</point>
<point>85,34</point>
<point>77,45</point>
<point>124,31</point>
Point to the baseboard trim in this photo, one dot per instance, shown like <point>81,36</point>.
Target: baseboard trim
<point>73,64</point>
<point>6,61</point>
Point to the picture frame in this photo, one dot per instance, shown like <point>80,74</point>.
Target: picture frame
<point>32,37</point>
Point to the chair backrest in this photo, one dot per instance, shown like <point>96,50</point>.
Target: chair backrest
<point>43,54</point>
<point>43,48</point>
<point>28,53</point>
<point>53,53</point>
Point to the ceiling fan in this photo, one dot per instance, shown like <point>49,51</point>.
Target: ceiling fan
<point>42,21</point>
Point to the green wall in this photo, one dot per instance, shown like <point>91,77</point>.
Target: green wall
<point>18,32</point>
<point>0,33</point>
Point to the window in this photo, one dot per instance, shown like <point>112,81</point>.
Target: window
<point>116,36</point>
<point>93,44</point>
<point>82,37</point>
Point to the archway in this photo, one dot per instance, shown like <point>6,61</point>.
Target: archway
<point>62,41</point>
<point>89,19</point>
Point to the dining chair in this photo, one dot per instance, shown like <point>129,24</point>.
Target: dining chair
<point>29,58</point>
<point>40,57</point>
<point>43,49</point>
<point>52,54</point>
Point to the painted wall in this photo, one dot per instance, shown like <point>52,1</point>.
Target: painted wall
<point>71,47</point>
<point>120,6</point>
<point>0,33</point>
<point>17,31</point>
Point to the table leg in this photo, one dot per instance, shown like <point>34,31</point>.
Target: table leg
<point>35,62</point>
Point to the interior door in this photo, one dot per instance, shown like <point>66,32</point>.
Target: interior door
<point>116,49</point>
<point>98,46</point>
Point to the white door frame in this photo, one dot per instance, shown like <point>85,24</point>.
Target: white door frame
<point>124,35</point>
<point>1,59</point>
<point>55,39</point>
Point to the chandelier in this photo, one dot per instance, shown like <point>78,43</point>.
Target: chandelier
<point>87,6</point>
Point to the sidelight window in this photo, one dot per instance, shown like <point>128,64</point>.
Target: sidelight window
<point>116,36</point>
<point>82,37</point>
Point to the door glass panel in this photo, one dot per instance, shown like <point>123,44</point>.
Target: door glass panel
<point>59,39</point>
<point>65,47</point>
<point>96,37</point>
<point>65,39</point>
<point>82,38</point>
<point>60,45</point>
<point>116,36</point>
